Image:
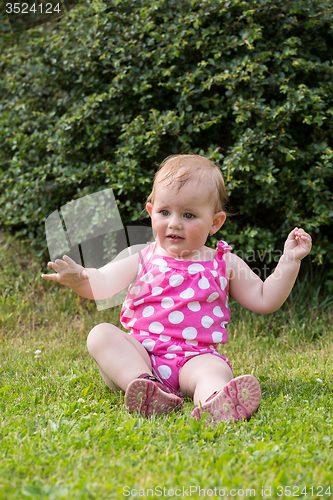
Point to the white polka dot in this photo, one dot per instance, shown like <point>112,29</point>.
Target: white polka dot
<point>215,264</point>
<point>139,268</point>
<point>128,313</point>
<point>214,273</point>
<point>156,327</point>
<point>165,371</point>
<point>143,333</point>
<point>164,269</point>
<point>149,254</point>
<point>191,342</point>
<point>147,278</point>
<point>135,290</point>
<point>176,280</point>
<point>189,333</point>
<point>223,324</point>
<point>207,321</point>
<point>148,344</point>
<point>127,303</point>
<point>164,338</point>
<point>203,283</point>
<point>187,294</point>
<point>223,282</point>
<point>170,355</point>
<point>148,311</point>
<point>131,323</point>
<point>194,306</point>
<point>141,301</point>
<point>217,337</point>
<point>176,317</point>
<point>190,353</point>
<point>213,296</point>
<point>167,302</point>
<point>195,268</point>
<point>227,302</point>
<point>160,262</point>
<point>174,348</point>
<point>157,290</point>
<point>218,312</point>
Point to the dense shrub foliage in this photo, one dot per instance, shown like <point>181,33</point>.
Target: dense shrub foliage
<point>112,89</point>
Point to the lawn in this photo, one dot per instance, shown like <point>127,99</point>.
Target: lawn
<point>64,435</point>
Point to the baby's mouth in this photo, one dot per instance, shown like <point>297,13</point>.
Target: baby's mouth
<point>174,237</point>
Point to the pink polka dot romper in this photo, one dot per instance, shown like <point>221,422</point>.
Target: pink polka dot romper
<point>178,309</point>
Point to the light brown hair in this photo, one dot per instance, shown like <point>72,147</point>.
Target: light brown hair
<point>183,168</point>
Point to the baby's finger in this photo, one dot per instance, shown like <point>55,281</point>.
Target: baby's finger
<point>54,266</point>
<point>303,235</point>
<point>69,261</point>
<point>57,268</point>
<point>306,238</point>
<point>61,264</point>
<point>83,274</point>
<point>292,235</point>
<point>53,277</point>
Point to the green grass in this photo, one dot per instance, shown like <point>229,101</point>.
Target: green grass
<point>64,435</point>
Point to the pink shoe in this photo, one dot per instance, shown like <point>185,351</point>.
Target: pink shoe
<point>147,395</point>
<point>238,400</point>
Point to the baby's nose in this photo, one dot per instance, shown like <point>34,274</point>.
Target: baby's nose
<point>175,221</point>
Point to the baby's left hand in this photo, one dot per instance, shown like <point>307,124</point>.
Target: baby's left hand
<point>297,245</point>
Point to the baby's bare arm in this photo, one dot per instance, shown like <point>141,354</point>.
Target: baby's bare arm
<point>254,294</point>
<point>268,296</point>
<point>96,284</point>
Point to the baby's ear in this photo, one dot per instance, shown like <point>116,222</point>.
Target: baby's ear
<point>149,207</point>
<point>218,221</point>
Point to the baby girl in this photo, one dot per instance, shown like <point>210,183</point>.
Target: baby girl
<point>176,310</point>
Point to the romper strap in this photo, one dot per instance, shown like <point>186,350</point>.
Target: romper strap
<point>223,247</point>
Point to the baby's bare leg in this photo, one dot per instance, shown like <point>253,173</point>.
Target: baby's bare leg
<point>119,357</point>
<point>203,375</point>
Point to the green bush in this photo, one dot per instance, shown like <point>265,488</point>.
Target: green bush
<point>111,90</point>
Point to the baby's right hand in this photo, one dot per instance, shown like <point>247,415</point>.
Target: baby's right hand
<point>68,272</point>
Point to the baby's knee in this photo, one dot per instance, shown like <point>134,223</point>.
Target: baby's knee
<point>97,336</point>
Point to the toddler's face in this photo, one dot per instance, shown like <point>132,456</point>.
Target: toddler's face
<point>187,214</point>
